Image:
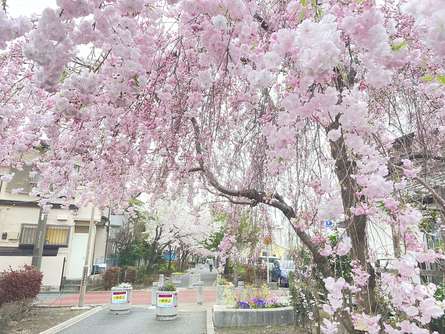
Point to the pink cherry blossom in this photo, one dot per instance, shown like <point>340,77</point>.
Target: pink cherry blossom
<point>294,110</point>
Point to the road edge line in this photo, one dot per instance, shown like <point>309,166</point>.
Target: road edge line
<point>72,321</point>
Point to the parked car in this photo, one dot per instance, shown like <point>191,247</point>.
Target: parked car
<point>98,268</point>
<point>285,267</point>
<point>276,272</point>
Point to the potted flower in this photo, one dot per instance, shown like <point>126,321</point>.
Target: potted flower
<point>121,298</point>
<point>166,302</point>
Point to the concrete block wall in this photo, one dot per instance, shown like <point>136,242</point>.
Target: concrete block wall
<point>225,317</point>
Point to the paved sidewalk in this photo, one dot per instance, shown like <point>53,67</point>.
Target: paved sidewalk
<point>140,320</point>
<point>139,297</point>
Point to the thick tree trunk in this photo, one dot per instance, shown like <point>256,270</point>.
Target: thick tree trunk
<point>345,168</point>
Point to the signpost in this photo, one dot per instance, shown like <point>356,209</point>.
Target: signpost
<point>329,224</point>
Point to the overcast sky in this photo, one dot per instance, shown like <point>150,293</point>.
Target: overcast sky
<point>28,7</point>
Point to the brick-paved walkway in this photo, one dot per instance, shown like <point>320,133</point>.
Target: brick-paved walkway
<point>139,297</point>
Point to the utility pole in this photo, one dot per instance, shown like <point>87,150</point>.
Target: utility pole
<point>39,240</point>
<point>108,234</point>
<point>86,267</point>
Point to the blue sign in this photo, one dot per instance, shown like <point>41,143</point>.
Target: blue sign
<point>329,224</point>
<point>169,256</point>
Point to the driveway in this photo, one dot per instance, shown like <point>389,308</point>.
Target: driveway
<point>140,320</point>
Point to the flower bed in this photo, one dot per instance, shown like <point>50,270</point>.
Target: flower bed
<point>252,306</point>
<point>257,303</point>
<point>257,298</point>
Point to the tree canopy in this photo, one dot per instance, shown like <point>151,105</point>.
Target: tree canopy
<point>302,106</point>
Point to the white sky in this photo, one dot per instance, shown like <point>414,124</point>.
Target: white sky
<point>28,7</point>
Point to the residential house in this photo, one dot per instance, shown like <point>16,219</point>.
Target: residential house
<point>66,234</point>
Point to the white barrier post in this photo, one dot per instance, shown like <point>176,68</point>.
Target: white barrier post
<point>200,294</point>
<point>154,289</point>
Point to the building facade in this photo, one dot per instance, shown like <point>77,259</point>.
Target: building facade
<point>66,233</point>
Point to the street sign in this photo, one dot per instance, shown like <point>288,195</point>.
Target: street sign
<point>119,297</point>
<point>169,256</point>
<point>165,300</point>
<point>329,224</point>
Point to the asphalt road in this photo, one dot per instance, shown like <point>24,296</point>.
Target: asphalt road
<point>139,321</point>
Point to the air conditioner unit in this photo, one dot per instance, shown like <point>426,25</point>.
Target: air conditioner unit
<point>13,235</point>
<point>62,217</point>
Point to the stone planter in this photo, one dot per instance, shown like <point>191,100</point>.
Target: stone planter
<point>120,299</point>
<point>166,305</point>
<point>224,317</point>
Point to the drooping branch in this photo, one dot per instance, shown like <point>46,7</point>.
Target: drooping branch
<point>274,200</point>
<point>439,199</point>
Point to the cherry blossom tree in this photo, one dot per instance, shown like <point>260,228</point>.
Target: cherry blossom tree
<point>181,228</point>
<point>293,105</point>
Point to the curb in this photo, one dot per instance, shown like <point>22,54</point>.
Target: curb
<point>209,326</point>
<point>72,321</point>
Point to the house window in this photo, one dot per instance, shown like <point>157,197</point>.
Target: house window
<point>28,234</point>
<point>4,235</point>
<point>81,229</point>
<point>55,235</point>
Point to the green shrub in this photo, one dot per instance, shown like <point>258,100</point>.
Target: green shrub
<point>167,287</point>
<point>164,269</point>
<point>247,273</point>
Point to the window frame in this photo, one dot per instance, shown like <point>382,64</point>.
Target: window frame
<point>48,227</point>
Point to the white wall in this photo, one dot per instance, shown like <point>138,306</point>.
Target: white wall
<point>52,271</point>
<point>14,262</point>
<point>99,246</point>
<point>51,267</point>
